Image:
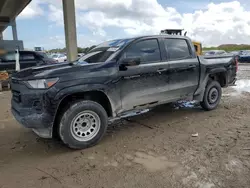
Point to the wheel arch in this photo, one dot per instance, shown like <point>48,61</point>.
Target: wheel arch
<point>96,95</point>
<point>217,74</point>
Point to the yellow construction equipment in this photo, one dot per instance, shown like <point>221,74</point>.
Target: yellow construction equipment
<point>198,47</point>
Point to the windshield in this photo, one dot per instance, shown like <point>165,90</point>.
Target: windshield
<point>55,56</point>
<point>104,51</point>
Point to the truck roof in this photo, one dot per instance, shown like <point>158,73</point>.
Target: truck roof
<point>160,36</point>
<point>148,36</point>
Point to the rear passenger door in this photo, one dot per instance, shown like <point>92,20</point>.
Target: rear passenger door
<point>27,59</point>
<point>184,68</point>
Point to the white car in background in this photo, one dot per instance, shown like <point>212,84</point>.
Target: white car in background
<point>59,57</point>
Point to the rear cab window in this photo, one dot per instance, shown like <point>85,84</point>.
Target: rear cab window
<point>147,50</point>
<point>177,49</point>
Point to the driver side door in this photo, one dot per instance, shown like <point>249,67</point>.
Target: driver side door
<point>143,85</point>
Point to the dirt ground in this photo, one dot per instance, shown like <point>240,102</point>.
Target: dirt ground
<point>152,150</point>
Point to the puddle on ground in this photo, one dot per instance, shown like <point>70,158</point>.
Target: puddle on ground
<point>242,86</point>
<point>152,162</point>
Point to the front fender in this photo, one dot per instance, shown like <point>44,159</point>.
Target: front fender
<point>78,89</point>
<point>112,95</point>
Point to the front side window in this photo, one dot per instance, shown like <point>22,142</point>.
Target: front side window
<point>147,50</point>
<point>177,49</point>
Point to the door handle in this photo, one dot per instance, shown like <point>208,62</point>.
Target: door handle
<point>160,70</point>
<point>191,66</point>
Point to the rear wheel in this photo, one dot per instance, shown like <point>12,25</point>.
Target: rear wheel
<point>83,124</point>
<point>212,96</point>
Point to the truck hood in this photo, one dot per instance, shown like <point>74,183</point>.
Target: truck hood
<point>47,71</point>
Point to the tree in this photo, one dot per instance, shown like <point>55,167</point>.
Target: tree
<point>230,47</point>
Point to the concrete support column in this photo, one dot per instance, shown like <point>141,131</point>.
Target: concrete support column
<point>70,29</point>
<point>14,30</point>
<point>1,36</point>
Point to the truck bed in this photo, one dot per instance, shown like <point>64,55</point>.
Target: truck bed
<point>218,58</point>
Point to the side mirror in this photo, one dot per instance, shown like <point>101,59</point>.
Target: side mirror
<point>131,62</point>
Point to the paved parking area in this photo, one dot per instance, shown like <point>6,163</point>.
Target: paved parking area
<point>152,150</point>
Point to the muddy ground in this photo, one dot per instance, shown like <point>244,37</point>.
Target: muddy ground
<point>152,150</point>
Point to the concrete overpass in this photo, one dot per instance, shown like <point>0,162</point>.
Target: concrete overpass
<point>10,9</point>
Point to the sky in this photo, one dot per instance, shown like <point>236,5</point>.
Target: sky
<point>210,22</point>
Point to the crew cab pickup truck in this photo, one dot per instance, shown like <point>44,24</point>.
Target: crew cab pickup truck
<point>76,100</point>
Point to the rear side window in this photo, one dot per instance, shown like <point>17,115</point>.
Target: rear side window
<point>177,49</point>
<point>147,50</point>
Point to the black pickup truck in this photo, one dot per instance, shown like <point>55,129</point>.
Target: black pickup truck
<point>76,100</point>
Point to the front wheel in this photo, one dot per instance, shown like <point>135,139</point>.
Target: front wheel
<point>83,124</point>
<point>212,96</point>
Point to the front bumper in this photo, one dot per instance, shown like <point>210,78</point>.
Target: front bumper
<point>32,109</point>
<point>41,123</point>
<point>31,119</point>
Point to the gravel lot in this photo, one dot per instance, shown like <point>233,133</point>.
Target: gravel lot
<point>152,150</point>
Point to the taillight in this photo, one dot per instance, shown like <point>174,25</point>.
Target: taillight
<point>237,62</point>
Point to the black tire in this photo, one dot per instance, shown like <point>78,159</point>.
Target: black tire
<point>208,103</point>
<point>66,132</point>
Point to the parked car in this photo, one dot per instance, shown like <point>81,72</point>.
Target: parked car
<point>235,52</point>
<point>80,54</point>
<point>114,80</point>
<point>26,59</point>
<point>216,52</point>
<point>244,52</point>
<point>244,58</point>
<point>59,58</point>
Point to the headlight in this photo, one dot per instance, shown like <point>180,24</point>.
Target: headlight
<point>43,83</point>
